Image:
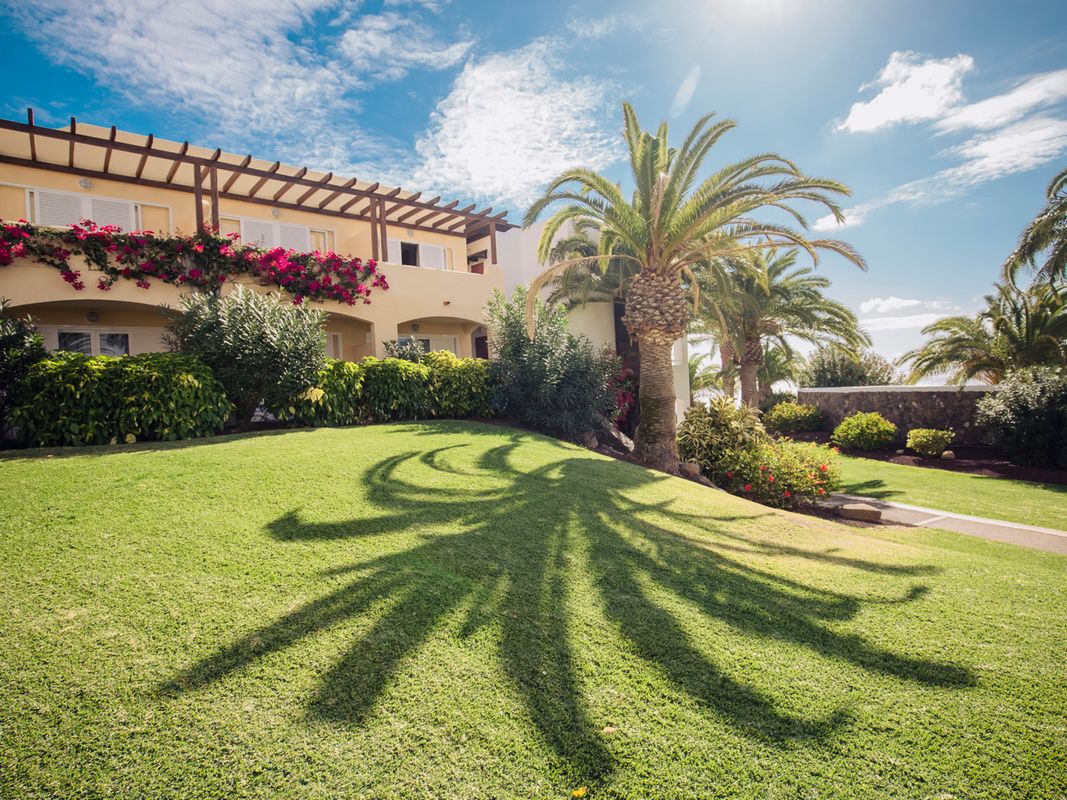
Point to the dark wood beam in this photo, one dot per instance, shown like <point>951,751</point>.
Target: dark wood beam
<point>373,232</point>
<point>237,173</point>
<point>348,185</point>
<point>144,155</point>
<point>417,209</point>
<point>174,167</point>
<point>33,142</point>
<point>349,203</point>
<point>492,242</point>
<point>215,198</point>
<point>402,203</point>
<point>384,235</point>
<point>110,144</point>
<point>300,173</point>
<point>463,221</point>
<point>263,180</point>
<point>198,197</point>
<point>324,182</point>
<point>73,131</point>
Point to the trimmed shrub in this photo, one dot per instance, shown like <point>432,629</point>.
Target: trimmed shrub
<point>790,417</point>
<point>75,399</point>
<point>554,383</point>
<point>395,389</point>
<point>777,397</point>
<point>1028,416</point>
<point>21,346</point>
<point>864,431</point>
<point>262,348</point>
<point>929,442</point>
<point>336,398</point>
<point>735,452</point>
<point>459,387</point>
<point>830,366</point>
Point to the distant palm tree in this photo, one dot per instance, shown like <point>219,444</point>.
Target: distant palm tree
<point>780,363</point>
<point>1017,328</point>
<point>1046,233</point>
<point>672,222</point>
<point>702,375</point>
<point>762,298</point>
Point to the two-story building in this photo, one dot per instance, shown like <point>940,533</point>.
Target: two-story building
<point>440,259</point>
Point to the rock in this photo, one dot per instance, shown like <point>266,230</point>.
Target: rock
<point>620,441</point>
<point>900,452</point>
<point>948,455</point>
<point>589,440</point>
<point>860,511</point>
<point>689,469</point>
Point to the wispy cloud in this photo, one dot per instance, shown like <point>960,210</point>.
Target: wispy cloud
<point>387,46</point>
<point>899,323</point>
<point>511,122</point>
<point>884,305</point>
<point>913,89</point>
<point>600,27</point>
<point>685,91</point>
<point>1039,91</point>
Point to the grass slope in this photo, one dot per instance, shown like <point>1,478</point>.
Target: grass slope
<point>454,610</point>
<point>1042,504</point>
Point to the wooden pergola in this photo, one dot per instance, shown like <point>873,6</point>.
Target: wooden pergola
<point>145,161</point>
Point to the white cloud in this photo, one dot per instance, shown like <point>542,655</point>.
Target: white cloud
<point>899,323</point>
<point>386,46</point>
<point>913,89</point>
<point>592,29</point>
<point>510,123</point>
<point>1038,91</point>
<point>883,305</point>
<point>685,91</point>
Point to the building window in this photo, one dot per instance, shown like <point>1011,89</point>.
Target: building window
<point>114,344</point>
<point>59,209</point>
<point>425,343</point>
<point>409,254</point>
<point>265,233</point>
<point>94,344</point>
<point>333,346</point>
<point>76,342</point>
<point>418,254</point>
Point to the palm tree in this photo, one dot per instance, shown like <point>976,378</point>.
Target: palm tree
<point>762,298</point>
<point>702,376</point>
<point>672,222</point>
<point>1017,328</point>
<point>1046,233</point>
<point>780,363</point>
<point>582,280</point>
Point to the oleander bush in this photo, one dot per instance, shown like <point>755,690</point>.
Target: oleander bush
<point>736,453</point>
<point>396,389</point>
<point>864,430</point>
<point>793,417</point>
<point>774,398</point>
<point>21,346</point>
<point>459,387</point>
<point>335,398</point>
<point>1028,416</point>
<point>408,350</point>
<point>75,399</point>
<point>929,442</point>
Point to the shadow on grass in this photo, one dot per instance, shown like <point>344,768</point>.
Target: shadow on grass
<point>512,564</point>
<point>875,488</point>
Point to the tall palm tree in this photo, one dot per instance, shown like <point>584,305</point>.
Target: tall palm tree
<point>672,222</point>
<point>1017,328</point>
<point>1046,233</point>
<point>584,279</point>
<point>762,298</point>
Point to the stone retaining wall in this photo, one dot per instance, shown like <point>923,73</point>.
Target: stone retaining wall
<point>906,406</point>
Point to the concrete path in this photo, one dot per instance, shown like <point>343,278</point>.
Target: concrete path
<point>1014,532</point>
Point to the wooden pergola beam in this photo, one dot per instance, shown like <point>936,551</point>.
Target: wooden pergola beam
<point>33,142</point>
<point>174,167</point>
<point>259,184</point>
<point>110,144</point>
<point>237,173</point>
<point>73,132</point>
<point>324,182</point>
<point>144,156</point>
<point>338,193</point>
<point>300,173</point>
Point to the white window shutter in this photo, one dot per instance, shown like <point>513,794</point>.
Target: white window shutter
<point>112,212</point>
<point>432,256</point>
<point>59,209</point>
<point>393,256</point>
<point>257,232</point>
<point>294,237</point>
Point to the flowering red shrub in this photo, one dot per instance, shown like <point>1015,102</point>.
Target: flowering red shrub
<point>204,261</point>
<point>624,385</point>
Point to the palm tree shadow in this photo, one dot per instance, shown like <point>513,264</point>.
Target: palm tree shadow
<point>511,565</point>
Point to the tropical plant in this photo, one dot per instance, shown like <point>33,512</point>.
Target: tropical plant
<point>334,398</point>
<point>864,430</point>
<point>459,387</point>
<point>1028,416</point>
<point>1018,328</point>
<point>702,376</point>
<point>395,389</point>
<point>929,442</point>
<point>793,418</point>
<point>761,300</point>
<point>21,346</point>
<point>672,222</point>
<point>831,366</point>
<point>551,382</point>
<point>407,350</point>
<point>261,348</point>
<point>781,364</point>
<point>1046,234</point>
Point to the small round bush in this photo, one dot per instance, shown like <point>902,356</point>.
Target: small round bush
<point>459,387</point>
<point>1028,416</point>
<point>710,429</point>
<point>781,474</point>
<point>791,417</point>
<point>864,431</point>
<point>929,442</point>
<point>336,398</point>
<point>75,399</point>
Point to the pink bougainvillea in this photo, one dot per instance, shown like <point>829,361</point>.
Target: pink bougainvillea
<point>203,261</point>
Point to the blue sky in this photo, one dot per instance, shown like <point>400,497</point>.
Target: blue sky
<point>945,118</point>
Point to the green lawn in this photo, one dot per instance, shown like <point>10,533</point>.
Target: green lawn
<point>1042,504</point>
<point>458,610</point>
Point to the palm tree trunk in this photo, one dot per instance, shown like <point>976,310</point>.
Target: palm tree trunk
<point>726,357</point>
<point>656,444</point>
<point>750,361</point>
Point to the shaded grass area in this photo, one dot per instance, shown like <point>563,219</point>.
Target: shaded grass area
<point>1042,504</point>
<point>461,610</point>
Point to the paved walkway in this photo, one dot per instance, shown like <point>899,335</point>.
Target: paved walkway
<point>1014,532</point>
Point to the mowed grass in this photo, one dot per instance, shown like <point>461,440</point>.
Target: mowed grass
<point>1042,504</point>
<point>466,611</point>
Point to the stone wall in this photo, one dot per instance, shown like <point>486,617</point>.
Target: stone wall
<point>906,406</point>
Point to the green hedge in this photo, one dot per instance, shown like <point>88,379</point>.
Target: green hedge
<point>864,430</point>
<point>75,399</point>
<point>791,417</point>
<point>335,399</point>
<point>459,387</point>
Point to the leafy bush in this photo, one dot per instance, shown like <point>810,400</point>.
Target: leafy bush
<point>459,387</point>
<point>75,399</point>
<point>1028,416</point>
<point>792,417</point>
<point>929,442</point>
<point>260,347</point>
<point>21,346</point>
<point>864,431</point>
<point>830,366</point>
<point>554,382</point>
<point>336,398</point>
<point>777,397</point>
<point>734,451</point>
<point>395,389</point>
<point>410,350</point>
